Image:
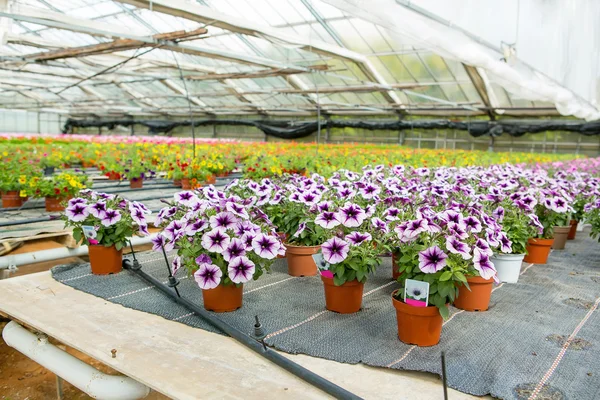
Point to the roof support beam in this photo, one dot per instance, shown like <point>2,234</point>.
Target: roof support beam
<point>266,73</point>
<point>110,47</point>
<point>480,86</point>
<point>207,15</point>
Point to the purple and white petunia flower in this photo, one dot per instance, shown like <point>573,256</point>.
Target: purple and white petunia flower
<point>208,276</point>
<point>247,238</point>
<point>432,260</point>
<point>240,269</point>
<point>77,212</point>
<point>266,246</point>
<point>215,241</point>
<point>110,217</point>
<point>175,265</point>
<point>77,200</point>
<point>192,228</point>
<point>97,209</point>
<point>483,246</point>
<point>223,221</point>
<point>483,265</point>
<point>143,230</point>
<point>327,220</point>
<point>173,230</point>
<point>186,198</point>
<point>351,215</point>
<point>505,243</point>
<point>301,228</point>
<point>236,248</point>
<point>455,246</point>
<point>203,259</point>
<point>356,238</point>
<point>335,250</point>
<point>238,210</point>
<point>380,225</point>
<point>369,191</point>
<point>472,224</point>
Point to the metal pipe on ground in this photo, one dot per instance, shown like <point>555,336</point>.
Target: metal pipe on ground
<point>271,355</point>
<point>15,260</point>
<point>81,375</point>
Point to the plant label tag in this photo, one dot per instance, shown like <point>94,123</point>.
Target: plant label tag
<point>416,293</point>
<point>322,265</point>
<point>90,234</point>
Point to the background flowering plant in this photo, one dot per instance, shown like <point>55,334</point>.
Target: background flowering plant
<point>219,239</point>
<point>63,185</point>
<point>114,219</point>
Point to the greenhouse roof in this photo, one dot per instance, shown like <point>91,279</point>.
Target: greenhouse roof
<point>295,57</point>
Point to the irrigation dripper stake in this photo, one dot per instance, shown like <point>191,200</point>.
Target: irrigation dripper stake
<point>136,264</point>
<point>173,282</point>
<point>444,380</point>
<point>259,332</point>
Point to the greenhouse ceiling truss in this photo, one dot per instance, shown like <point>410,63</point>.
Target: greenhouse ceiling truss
<point>174,58</point>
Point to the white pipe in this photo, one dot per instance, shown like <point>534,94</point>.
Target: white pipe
<point>15,260</point>
<point>81,375</point>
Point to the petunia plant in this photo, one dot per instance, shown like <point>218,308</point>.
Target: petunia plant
<point>221,241</point>
<point>105,219</point>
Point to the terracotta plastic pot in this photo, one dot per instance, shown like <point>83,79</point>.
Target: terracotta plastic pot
<point>344,299</point>
<point>11,199</point>
<point>185,184</point>
<point>421,326</point>
<point>223,298</point>
<point>508,266</point>
<point>105,260</point>
<point>538,250</point>
<point>476,299</point>
<point>395,265</point>
<point>211,179</point>
<point>136,183</point>
<point>560,237</point>
<point>573,229</point>
<point>177,182</point>
<point>300,261</point>
<point>55,204</point>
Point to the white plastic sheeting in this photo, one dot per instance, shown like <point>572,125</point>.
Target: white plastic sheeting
<point>557,58</point>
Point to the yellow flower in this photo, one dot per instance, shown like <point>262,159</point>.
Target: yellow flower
<point>22,193</point>
<point>22,179</point>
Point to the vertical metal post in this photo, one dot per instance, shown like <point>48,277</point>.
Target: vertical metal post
<point>39,128</point>
<point>444,378</point>
<point>99,130</point>
<point>328,131</point>
<point>214,130</point>
<point>491,144</point>
<point>131,130</point>
<point>578,144</point>
<point>59,388</point>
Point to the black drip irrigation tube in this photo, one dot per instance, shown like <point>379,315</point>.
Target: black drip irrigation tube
<point>248,341</point>
<point>122,184</point>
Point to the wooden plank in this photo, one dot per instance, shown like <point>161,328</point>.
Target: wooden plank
<point>254,74</point>
<point>113,46</point>
<point>481,89</point>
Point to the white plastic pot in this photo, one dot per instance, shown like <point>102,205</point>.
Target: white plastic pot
<point>508,266</point>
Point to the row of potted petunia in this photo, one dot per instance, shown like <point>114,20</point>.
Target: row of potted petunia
<point>447,227</point>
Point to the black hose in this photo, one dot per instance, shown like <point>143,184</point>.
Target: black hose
<point>29,221</point>
<point>271,355</point>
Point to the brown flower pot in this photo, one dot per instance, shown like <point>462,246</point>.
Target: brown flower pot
<point>560,237</point>
<point>55,204</point>
<point>396,265</point>
<point>105,260</point>
<point>11,199</point>
<point>211,179</point>
<point>136,183</point>
<point>476,299</point>
<point>185,184</point>
<point>421,326</point>
<point>177,182</point>
<point>223,298</point>
<point>538,250</point>
<point>300,261</point>
<point>573,229</point>
<point>344,299</point>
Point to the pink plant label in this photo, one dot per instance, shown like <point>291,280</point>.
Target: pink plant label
<point>416,303</point>
<point>327,274</point>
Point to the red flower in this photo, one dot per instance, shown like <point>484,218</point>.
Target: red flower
<point>56,191</point>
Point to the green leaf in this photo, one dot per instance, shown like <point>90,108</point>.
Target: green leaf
<point>444,312</point>
<point>460,276</point>
<point>446,276</point>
